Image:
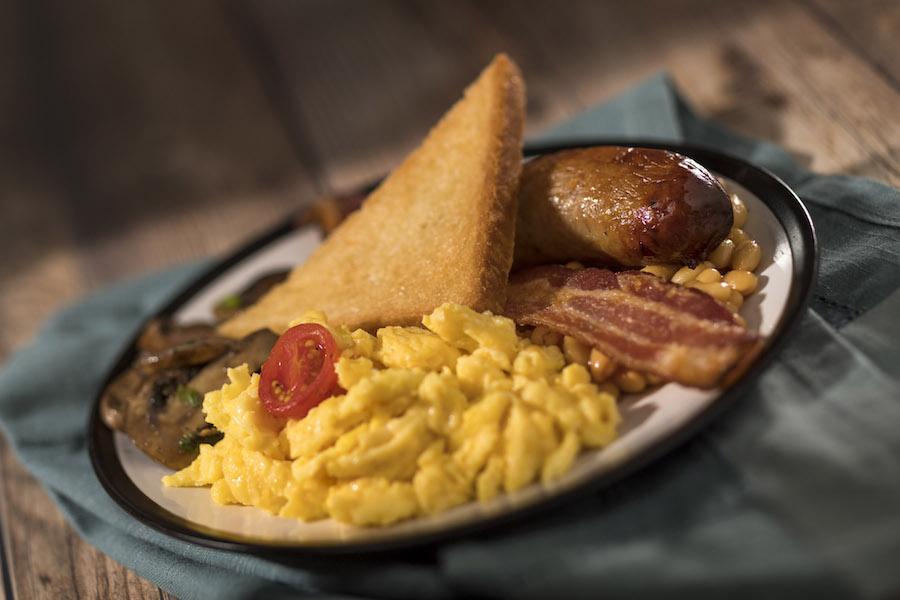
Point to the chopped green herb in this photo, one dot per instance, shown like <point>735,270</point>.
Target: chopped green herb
<point>189,396</point>
<point>231,302</point>
<point>189,444</point>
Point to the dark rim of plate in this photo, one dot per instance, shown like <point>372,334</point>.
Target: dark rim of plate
<point>780,199</point>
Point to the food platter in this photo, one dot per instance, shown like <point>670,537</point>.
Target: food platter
<point>654,423</point>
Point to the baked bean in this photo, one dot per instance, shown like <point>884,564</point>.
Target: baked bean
<point>609,388</point>
<point>746,256</point>
<point>686,274</point>
<point>545,337</point>
<point>630,381</point>
<point>600,365</point>
<point>738,236</point>
<point>665,271</point>
<point>653,379</point>
<point>710,275</point>
<point>741,281</point>
<point>721,256</point>
<point>575,351</point>
<point>735,301</point>
<point>719,290</point>
<point>739,209</point>
<point>683,275</point>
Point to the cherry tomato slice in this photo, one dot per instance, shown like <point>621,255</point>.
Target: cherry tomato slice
<point>299,373</point>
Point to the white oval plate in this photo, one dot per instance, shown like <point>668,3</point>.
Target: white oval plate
<point>654,423</point>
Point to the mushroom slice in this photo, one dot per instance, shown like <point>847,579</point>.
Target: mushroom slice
<point>157,419</point>
<point>188,353</point>
<point>253,349</point>
<point>162,333</point>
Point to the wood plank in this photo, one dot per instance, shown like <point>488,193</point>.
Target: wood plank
<point>870,27</point>
<point>815,96</point>
<point>50,559</point>
<point>168,126</point>
<point>769,69</point>
<point>366,80</point>
<point>40,276</point>
<point>133,137</point>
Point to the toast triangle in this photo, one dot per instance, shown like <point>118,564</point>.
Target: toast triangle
<point>438,229</point>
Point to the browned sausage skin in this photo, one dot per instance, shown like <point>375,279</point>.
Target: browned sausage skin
<point>619,207</point>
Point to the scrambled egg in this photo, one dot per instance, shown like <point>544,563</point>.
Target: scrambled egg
<point>432,418</point>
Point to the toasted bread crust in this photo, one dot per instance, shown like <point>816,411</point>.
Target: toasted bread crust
<point>439,228</point>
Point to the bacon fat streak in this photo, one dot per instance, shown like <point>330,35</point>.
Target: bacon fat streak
<point>638,319</point>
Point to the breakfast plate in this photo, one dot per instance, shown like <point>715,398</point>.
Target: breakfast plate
<point>654,423</point>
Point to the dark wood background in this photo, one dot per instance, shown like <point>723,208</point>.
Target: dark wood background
<point>138,135</point>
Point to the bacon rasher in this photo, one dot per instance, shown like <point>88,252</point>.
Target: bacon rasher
<point>638,319</point>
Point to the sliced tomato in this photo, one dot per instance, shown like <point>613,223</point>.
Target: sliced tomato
<point>299,373</point>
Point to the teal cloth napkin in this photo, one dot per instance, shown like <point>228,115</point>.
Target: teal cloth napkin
<point>793,493</point>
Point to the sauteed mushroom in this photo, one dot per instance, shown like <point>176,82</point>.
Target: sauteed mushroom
<point>158,403</point>
<point>114,403</point>
<point>185,354</point>
<point>253,349</point>
<point>157,420</point>
<point>162,333</point>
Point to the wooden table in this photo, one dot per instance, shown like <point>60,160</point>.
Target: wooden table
<point>139,135</point>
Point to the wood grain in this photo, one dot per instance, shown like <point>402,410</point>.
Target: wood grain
<point>871,29</point>
<point>130,143</point>
<point>50,560</point>
<point>139,135</point>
